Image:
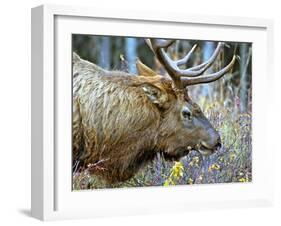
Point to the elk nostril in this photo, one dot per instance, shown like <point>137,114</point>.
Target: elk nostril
<point>218,146</point>
<point>218,142</point>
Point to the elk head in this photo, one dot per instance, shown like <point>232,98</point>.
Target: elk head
<point>188,128</point>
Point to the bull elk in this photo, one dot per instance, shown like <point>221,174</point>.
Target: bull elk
<point>121,121</point>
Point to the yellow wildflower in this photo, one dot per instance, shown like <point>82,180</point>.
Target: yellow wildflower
<point>189,181</point>
<point>195,161</point>
<point>176,174</point>
<point>214,167</point>
<point>243,180</point>
<point>177,170</point>
<point>232,157</point>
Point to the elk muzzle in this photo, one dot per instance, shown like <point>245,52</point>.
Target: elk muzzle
<point>211,144</point>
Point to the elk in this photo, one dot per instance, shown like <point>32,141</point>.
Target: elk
<point>121,121</point>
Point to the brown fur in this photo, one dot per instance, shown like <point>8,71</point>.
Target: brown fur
<point>122,120</point>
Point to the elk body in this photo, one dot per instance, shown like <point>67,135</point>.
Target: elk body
<point>121,121</point>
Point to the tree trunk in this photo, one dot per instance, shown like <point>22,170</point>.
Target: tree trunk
<point>131,54</point>
<point>105,54</point>
<point>243,94</point>
<point>208,49</point>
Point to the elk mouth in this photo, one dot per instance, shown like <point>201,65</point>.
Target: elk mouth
<point>205,149</point>
<point>176,154</point>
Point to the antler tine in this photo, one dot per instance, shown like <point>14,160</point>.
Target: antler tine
<point>161,43</point>
<point>209,62</point>
<point>208,78</point>
<point>172,66</point>
<point>158,46</point>
<point>187,56</point>
<point>190,76</point>
<point>200,69</point>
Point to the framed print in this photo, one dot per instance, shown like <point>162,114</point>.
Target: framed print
<point>135,114</point>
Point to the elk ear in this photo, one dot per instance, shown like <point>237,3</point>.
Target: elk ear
<point>144,70</point>
<point>155,95</point>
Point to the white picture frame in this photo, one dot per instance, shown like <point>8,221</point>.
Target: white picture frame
<point>52,197</point>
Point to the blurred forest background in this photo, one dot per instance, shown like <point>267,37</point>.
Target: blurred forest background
<point>226,103</point>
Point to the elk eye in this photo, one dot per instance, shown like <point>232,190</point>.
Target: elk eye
<point>186,114</point>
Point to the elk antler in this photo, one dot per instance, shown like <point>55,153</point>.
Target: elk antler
<point>190,76</point>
